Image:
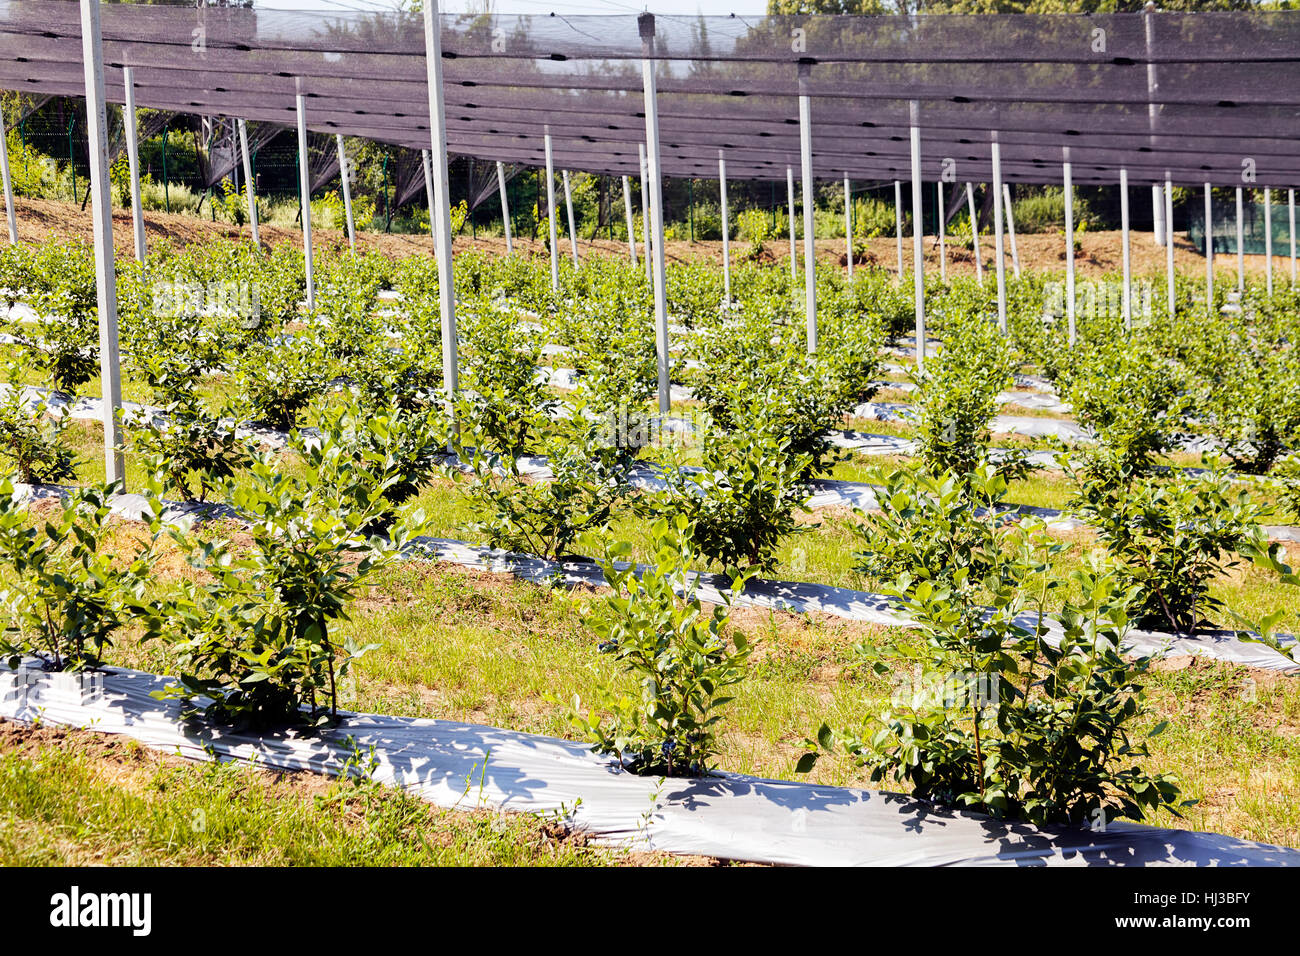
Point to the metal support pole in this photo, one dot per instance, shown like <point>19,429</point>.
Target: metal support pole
<point>1170,290</point>
<point>974,232</point>
<point>690,206</point>
<point>848,224</point>
<point>427,161</point>
<point>646,26</point>
<point>345,177</point>
<point>132,160</point>
<point>573,229</point>
<point>998,253</point>
<point>92,56</point>
<point>631,222</point>
<point>1268,239</point>
<point>1070,317</point>
<point>645,211</point>
<point>1158,215</point>
<point>789,190</point>
<point>1291,203</point>
<point>72,159</point>
<point>1153,112</point>
<point>505,207</point>
<point>1241,243</point>
<point>809,213</point>
<point>249,188</point>
<point>304,197</point>
<point>1209,252</point>
<point>388,204</point>
<point>550,213</point>
<point>1011,230</point>
<point>898,225</point>
<point>442,197</point>
<point>8,183</point>
<point>726,227</point>
<point>918,242</point>
<point>1127,249</point>
<point>942,229</point>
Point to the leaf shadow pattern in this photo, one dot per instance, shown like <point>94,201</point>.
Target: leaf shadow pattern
<point>455,764</point>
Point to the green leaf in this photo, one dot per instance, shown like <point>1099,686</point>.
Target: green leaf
<point>825,737</point>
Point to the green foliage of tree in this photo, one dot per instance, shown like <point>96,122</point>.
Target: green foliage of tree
<point>994,715</point>
<point>682,660</point>
<point>68,588</point>
<point>257,644</point>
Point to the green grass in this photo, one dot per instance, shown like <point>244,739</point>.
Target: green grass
<point>822,552</point>
<point>212,389</point>
<point>474,646</point>
<point>466,645</point>
<point>79,798</point>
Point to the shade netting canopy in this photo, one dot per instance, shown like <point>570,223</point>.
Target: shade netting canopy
<point>1197,97</point>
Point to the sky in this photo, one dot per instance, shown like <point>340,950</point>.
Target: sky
<point>542,7</point>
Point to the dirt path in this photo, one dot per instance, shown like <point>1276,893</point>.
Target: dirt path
<point>1045,252</point>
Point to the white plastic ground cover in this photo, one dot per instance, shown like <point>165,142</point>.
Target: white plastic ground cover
<point>794,596</point>
<point>20,312</point>
<point>1044,401</point>
<point>830,493</point>
<point>60,403</point>
<point>905,346</point>
<point>1054,519</point>
<point>731,816</point>
<point>1036,427</point>
<point>568,378</point>
<point>1029,425</point>
<point>826,493</point>
<point>132,507</point>
<point>870,443</point>
<point>823,492</point>
<point>91,408</point>
<point>1034,382</point>
<point>803,597</point>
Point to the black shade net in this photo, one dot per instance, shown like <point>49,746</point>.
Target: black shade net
<point>1210,97</point>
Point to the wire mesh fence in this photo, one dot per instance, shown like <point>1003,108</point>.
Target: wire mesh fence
<point>1253,220</point>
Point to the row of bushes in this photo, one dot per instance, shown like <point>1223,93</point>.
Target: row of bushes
<point>256,642</point>
<point>255,630</point>
<point>1170,532</point>
<point>1037,729</point>
<point>1045,734</point>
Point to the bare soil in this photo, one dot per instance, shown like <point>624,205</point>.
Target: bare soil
<point>1044,252</point>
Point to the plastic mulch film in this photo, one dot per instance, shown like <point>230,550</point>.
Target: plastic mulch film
<point>465,766</point>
